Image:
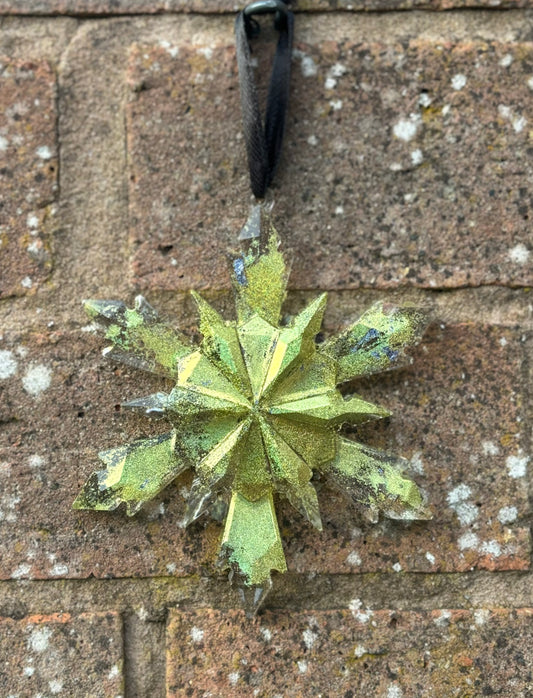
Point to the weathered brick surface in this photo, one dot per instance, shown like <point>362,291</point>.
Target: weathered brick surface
<point>172,216</point>
<point>395,172</point>
<point>98,7</point>
<point>457,417</point>
<point>28,173</point>
<point>385,654</point>
<point>404,165</point>
<point>60,654</point>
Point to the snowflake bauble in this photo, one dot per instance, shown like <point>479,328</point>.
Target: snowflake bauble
<point>255,410</point>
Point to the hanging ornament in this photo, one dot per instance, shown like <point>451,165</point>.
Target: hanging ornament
<point>255,410</point>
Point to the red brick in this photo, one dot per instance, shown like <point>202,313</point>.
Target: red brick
<point>60,654</point>
<point>456,415</point>
<point>28,173</point>
<point>449,207</point>
<point>387,654</point>
<point>99,7</point>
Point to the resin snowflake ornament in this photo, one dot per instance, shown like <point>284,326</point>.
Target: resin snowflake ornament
<point>255,411</point>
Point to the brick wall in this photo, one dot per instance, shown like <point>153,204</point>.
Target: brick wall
<point>407,175</point>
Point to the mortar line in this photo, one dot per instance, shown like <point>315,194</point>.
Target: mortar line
<point>150,597</point>
<point>526,411</point>
<point>126,668</point>
<point>474,9</point>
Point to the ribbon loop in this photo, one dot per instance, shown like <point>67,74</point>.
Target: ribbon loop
<point>263,143</point>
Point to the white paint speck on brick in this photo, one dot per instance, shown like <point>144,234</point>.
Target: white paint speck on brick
<point>417,158</point>
<point>355,607</point>
<point>519,123</point>
<point>405,129</point>
<point>481,616</point>
<point>353,559</point>
<point>234,677</point>
<point>8,364</point>
<point>32,221</point>
<point>459,494</point>
<point>519,254</point>
<point>21,571</point>
<point>309,638</point>
<point>172,51</point>
<point>265,634</point>
<point>26,282</point>
<point>530,82</point>
<point>55,686</point>
<point>507,515</point>
<point>44,152</point>
<point>197,634</point>
<point>506,61</point>
<point>466,512</point>
<point>416,463</point>
<point>302,666</point>
<point>359,651</point>
<point>308,66</point>
<point>206,51</point>
<point>35,248</point>
<point>336,104</point>
<point>397,567</point>
<point>39,639</point>
<point>37,379</point>
<point>491,547</point>
<point>443,618</point>
<point>8,507</point>
<point>114,672</point>
<point>504,111</point>
<point>59,570</point>
<point>430,558</point>
<point>517,466</point>
<point>394,691</point>
<point>468,541</point>
<point>490,448</point>
<point>458,81</point>
<point>337,70</point>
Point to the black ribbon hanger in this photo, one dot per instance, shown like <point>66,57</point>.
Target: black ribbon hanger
<point>263,143</point>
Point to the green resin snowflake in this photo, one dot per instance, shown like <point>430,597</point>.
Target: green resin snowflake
<point>255,411</point>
